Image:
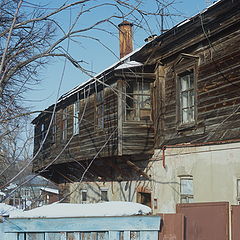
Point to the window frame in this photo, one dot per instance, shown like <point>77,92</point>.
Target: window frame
<point>134,92</point>
<point>101,196</point>
<point>85,192</point>
<point>238,190</point>
<point>183,195</point>
<point>185,63</point>
<point>76,111</point>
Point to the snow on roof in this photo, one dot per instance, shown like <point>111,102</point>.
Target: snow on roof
<point>85,210</point>
<point>51,190</point>
<point>75,89</point>
<point>204,10</point>
<point>11,186</point>
<point>6,209</point>
<point>129,64</point>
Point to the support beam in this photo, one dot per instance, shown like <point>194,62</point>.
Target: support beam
<point>137,169</point>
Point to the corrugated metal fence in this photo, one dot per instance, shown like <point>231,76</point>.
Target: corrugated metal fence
<point>85,228</point>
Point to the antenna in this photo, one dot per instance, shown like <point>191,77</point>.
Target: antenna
<point>162,16</point>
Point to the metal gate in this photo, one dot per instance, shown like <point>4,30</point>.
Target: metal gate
<point>205,221</point>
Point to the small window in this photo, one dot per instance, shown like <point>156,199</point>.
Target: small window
<point>186,189</point>
<point>84,196</point>
<point>64,124</point>
<point>144,198</point>
<point>76,106</point>
<point>138,103</point>
<point>186,97</point>
<point>104,195</point>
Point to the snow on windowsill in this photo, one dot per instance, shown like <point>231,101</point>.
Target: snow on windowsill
<point>60,210</point>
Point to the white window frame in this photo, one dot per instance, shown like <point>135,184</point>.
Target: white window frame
<point>76,110</point>
<point>187,95</point>
<point>186,197</point>
<point>42,132</point>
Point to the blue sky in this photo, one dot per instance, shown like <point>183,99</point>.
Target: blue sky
<point>95,56</point>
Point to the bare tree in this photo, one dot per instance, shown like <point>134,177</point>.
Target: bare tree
<point>31,35</point>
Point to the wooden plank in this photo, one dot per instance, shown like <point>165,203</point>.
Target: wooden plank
<point>120,117</point>
<point>21,236</point>
<point>148,235</point>
<point>131,223</point>
<point>11,236</point>
<point>55,236</point>
<point>36,236</point>
<point>73,236</point>
<point>114,235</point>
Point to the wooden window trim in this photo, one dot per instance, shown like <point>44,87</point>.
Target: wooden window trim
<point>191,65</point>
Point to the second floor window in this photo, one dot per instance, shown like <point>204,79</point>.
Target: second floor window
<point>76,106</point>
<point>64,124</point>
<point>42,132</point>
<point>138,103</point>
<point>186,97</point>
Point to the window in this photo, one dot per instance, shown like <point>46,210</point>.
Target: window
<point>104,195</point>
<point>64,124</point>
<point>186,189</point>
<point>144,198</point>
<point>138,104</point>
<point>238,191</point>
<point>100,109</point>
<point>42,132</point>
<point>84,196</point>
<point>76,106</point>
<point>186,97</point>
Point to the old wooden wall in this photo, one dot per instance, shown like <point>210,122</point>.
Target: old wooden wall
<point>212,40</point>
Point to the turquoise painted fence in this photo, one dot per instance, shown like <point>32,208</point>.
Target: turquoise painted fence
<point>81,228</point>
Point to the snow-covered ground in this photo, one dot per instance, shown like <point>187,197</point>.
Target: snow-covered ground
<point>84,210</point>
<point>5,209</point>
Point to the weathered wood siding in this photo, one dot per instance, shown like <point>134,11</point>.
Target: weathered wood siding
<point>138,138</point>
<point>216,58</point>
<point>92,140</point>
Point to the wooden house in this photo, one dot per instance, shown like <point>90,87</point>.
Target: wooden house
<point>107,119</point>
<point>161,131</point>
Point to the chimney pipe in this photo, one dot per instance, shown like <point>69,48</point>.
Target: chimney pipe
<point>125,38</point>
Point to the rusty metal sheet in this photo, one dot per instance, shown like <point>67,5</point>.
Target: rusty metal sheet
<point>208,221</point>
<point>235,217</point>
<point>172,227</point>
